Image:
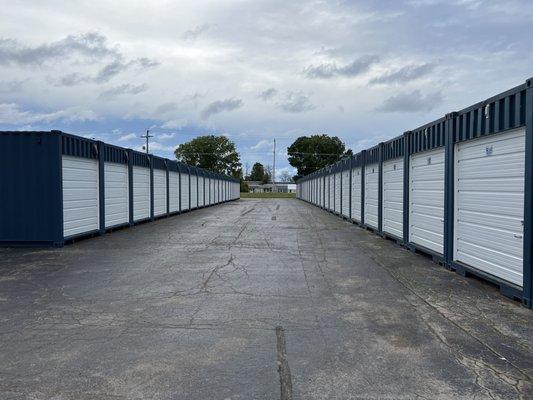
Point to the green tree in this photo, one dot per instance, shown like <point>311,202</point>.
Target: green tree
<point>213,153</point>
<point>310,153</point>
<point>258,172</point>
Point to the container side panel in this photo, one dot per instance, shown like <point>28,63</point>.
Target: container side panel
<point>80,196</point>
<point>30,187</point>
<point>393,197</point>
<point>426,200</point>
<point>489,204</point>
<point>116,194</point>
<point>141,193</point>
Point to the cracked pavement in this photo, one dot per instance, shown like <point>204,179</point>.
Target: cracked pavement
<point>187,308</point>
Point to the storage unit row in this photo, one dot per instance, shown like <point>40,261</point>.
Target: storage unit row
<point>56,187</point>
<point>459,188</point>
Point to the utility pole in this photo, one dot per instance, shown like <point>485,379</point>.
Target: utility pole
<point>274,169</point>
<point>147,137</point>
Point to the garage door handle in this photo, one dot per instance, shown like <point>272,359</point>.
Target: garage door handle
<point>518,236</point>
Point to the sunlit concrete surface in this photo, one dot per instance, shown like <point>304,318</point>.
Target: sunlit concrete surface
<point>187,308</point>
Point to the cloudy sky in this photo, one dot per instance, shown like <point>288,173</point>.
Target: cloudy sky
<point>254,70</point>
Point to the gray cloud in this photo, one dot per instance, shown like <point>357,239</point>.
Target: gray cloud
<point>405,74</point>
<point>124,89</point>
<point>12,113</point>
<point>296,103</point>
<point>109,71</point>
<point>89,45</point>
<point>72,79</point>
<point>331,70</point>
<point>10,87</point>
<point>219,106</point>
<point>106,73</point>
<point>412,102</point>
<point>145,63</point>
<point>267,94</point>
<point>193,34</point>
<point>166,108</point>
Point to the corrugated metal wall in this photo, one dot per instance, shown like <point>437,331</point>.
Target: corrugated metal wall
<point>58,187</point>
<point>459,189</point>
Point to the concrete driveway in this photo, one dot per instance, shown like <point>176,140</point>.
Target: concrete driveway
<point>255,299</point>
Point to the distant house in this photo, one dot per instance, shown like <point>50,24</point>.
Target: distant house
<point>278,187</point>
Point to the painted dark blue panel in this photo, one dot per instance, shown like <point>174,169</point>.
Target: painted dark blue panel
<point>394,148</point>
<point>173,166</point>
<point>159,163</point>
<point>30,188</point>
<point>140,159</point>
<point>77,146</point>
<point>372,155</point>
<point>115,154</point>
<point>499,113</point>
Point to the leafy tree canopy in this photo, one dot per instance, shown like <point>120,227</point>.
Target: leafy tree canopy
<point>310,153</point>
<point>258,172</point>
<point>213,153</point>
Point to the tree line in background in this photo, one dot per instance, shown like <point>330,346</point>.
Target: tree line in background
<point>219,154</point>
<point>310,153</point>
<point>213,153</point>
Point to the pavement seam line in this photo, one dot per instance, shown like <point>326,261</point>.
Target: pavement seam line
<point>284,371</point>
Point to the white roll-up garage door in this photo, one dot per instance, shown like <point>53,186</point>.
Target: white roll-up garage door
<point>211,191</point>
<point>356,194</point>
<point>194,191</point>
<point>116,190</point>
<point>200,191</point>
<point>371,195</point>
<point>160,192</point>
<point>489,204</point>
<point>330,192</point>
<point>81,212</point>
<point>141,193</point>
<point>174,191</point>
<point>217,185</point>
<point>393,197</point>
<point>426,199</point>
<point>321,192</point>
<point>184,191</point>
<point>346,193</point>
<point>337,192</point>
